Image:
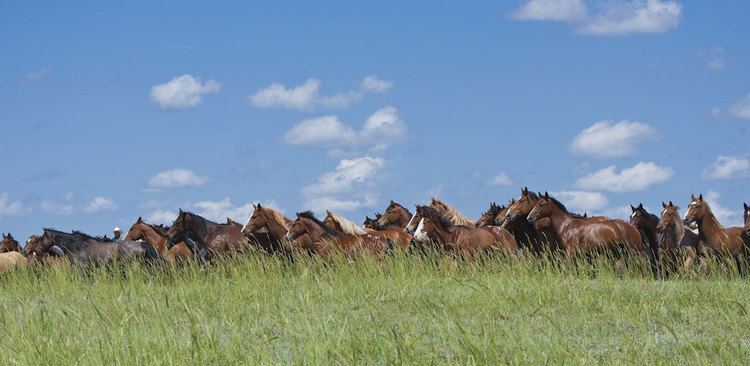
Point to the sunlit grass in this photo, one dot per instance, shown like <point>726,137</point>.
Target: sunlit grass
<point>410,309</point>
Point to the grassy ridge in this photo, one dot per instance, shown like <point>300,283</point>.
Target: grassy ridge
<point>405,309</point>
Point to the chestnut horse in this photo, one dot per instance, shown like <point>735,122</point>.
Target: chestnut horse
<point>492,216</point>
<point>588,236</point>
<point>396,236</point>
<point>312,235</point>
<point>714,238</point>
<point>371,224</point>
<point>211,238</point>
<point>9,244</point>
<point>394,217</point>
<point>82,248</point>
<point>267,227</point>
<point>156,235</point>
<point>673,236</point>
<point>540,237</point>
<point>440,230</point>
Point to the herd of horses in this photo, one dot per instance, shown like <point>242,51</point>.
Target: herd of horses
<point>532,225</point>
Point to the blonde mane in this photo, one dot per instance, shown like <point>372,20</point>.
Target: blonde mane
<point>280,218</point>
<point>348,227</point>
<point>450,213</point>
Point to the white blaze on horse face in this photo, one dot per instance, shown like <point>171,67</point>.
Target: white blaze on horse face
<point>632,215</point>
<point>408,224</point>
<point>419,233</point>
<point>247,223</point>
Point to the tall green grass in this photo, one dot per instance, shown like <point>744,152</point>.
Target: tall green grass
<point>406,309</point>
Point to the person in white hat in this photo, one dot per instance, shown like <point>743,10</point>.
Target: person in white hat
<point>118,233</point>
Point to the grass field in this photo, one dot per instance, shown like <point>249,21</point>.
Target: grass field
<point>403,310</point>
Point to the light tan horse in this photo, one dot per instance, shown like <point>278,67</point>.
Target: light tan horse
<point>12,260</point>
<point>337,222</point>
<point>267,227</point>
<point>714,239</point>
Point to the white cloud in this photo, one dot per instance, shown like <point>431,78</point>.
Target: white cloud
<point>636,178</point>
<point>9,207</point>
<point>348,174</point>
<point>558,10</point>
<point>741,108</point>
<point>371,83</point>
<point>59,207</point>
<point>715,112</point>
<point>611,18</point>
<point>176,178</point>
<point>307,96</point>
<point>501,179</point>
<point>382,129</point>
<point>324,132</point>
<point>610,139</point>
<point>161,217</point>
<point>347,187</point>
<point>100,204</point>
<point>183,92</point>
<point>37,74</point>
<point>219,211</point>
<point>715,58</point>
<point>582,200</point>
<point>726,216</point>
<point>727,167</point>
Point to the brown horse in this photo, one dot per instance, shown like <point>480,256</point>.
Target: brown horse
<point>371,224</point>
<point>440,230</point>
<point>673,236</point>
<point>396,236</point>
<point>539,237</point>
<point>211,238</point>
<point>156,235</point>
<point>587,236</point>
<point>395,217</point>
<point>492,216</point>
<point>82,248</point>
<point>267,227</point>
<point>714,238</point>
<point>312,235</point>
<point>9,244</point>
<point>450,213</point>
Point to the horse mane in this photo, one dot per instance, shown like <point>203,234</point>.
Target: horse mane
<point>394,203</point>
<point>453,215</point>
<point>311,216</point>
<point>279,217</point>
<point>533,195</point>
<point>348,227</point>
<point>436,215</point>
<point>561,206</point>
<point>70,241</point>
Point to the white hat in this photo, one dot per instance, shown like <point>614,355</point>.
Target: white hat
<point>116,229</point>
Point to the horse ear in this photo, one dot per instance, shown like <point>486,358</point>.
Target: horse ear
<point>140,220</point>
<point>546,194</point>
<point>663,204</point>
<point>700,197</point>
<point>640,206</point>
<point>393,203</point>
<point>180,212</point>
<point>746,206</point>
<point>525,191</point>
<point>632,208</point>
<point>692,197</point>
<point>671,204</point>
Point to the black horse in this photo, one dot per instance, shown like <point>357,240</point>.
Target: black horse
<point>83,248</point>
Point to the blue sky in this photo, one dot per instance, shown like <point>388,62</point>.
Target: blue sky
<point>114,111</point>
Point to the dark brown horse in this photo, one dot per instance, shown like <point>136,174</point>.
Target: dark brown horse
<point>211,238</point>
<point>646,224</point>
<point>714,238</point>
<point>82,248</point>
<point>9,244</point>
<point>440,230</point>
<point>156,235</point>
<point>492,216</point>
<point>310,234</point>
<point>337,222</point>
<point>538,238</point>
<point>394,217</point>
<point>674,237</point>
<point>588,236</point>
<point>267,228</point>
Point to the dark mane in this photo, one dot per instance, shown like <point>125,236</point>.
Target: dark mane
<point>195,215</point>
<point>561,206</point>
<point>71,241</point>
<point>533,195</point>
<point>311,216</point>
<point>394,203</point>
<point>435,215</point>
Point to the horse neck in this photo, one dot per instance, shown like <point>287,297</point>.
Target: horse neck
<point>709,228</point>
<point>316,231</point>
<point>275,228</point>
<point>202,227</point>
<point>560,220</point>
<point>155,238</point>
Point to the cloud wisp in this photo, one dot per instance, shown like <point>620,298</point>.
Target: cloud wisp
<point>308,97</point>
